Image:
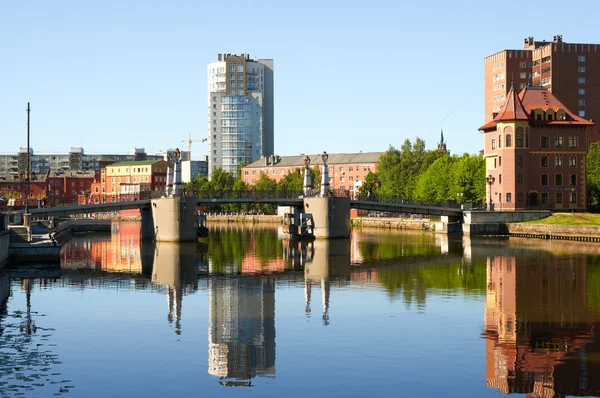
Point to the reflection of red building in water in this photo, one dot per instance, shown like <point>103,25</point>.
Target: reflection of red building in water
<point>540,334</point>
<point>122,253</point>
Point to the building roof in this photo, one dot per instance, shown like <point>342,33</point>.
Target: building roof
<point>135,163</point>
<point>513,108</point>
<point>334,158</point>
<point>540,98</point>
<point>520,107</point>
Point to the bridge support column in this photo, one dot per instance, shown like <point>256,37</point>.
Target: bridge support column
<point>331,216</point>
<point>148,230</point>
<point>174,219</point>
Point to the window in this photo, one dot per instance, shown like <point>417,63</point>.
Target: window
<point>581,58</point>
<point>544,161</point>
<point>519,160</point>
<point>573,197</point>
<point>214,129</point>
<point>581,80</point>
<point>341,179</point>
<point>572,161</point>
<point>558,142</point>
<point>350,169</point>
<point>240,68</point>
<point>544,179</point>
<point>581,102</point>
<point>522,64</point>
<point>350,178</point>
<point>544,142</point>
<point>572,142</point>
<point>493,143</point>
<point>231,68</point>
<point>495,163</point>
<point>519,140</point>
<point>245,172</point>
<point>581,91</point>
<point>523,75</point>
<point>519,178</point>
<point>499,141</point>
<point>341,169</point>
<point>508,197</point>
<point>558,197</point>
<point>572,179</point>
<point>558,180</point>
<point>544,197</point>
<point>499,160</point>
<point>581,113</point>
<point>558,161</point>
<point>499,178</point>
<point>214,106</point>
<point>581,69</point>
<point>508,140</point>
<point>519,197</point>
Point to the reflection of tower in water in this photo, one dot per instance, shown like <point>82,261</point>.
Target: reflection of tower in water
<point>539,330</point>
<point>175,268</point>
<point>331,259</point>
<point>241,334</point>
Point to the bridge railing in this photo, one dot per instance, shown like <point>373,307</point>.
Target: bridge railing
<point>410,202</point>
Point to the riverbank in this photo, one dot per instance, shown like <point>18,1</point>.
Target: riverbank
<point>423,224</point>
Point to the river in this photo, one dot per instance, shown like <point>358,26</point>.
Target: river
<point>246,312</point>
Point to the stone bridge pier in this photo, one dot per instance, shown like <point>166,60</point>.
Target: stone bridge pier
<point>169,220</point>
<point>331,216</point>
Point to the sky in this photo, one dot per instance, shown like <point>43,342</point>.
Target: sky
<point>350,76</point>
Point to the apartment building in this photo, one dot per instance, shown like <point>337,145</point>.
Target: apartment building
<point>127,180</point>
<point>570,71</point>
<point>75,159</point>
<point>535,150</point>
<point>240,111</point>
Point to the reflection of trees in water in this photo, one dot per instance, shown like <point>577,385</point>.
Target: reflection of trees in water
<point>399,247</point>
<point>26,361</point>
<point>413,281</point>
<point>227,246</point>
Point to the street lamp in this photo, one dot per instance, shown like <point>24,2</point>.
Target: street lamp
<point>490,180</point>
<point>464,181</point>
<point>28,169</point>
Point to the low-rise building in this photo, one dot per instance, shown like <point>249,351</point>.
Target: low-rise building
<point>127,180</point>
<point>535,150</point>
<point>347,171</point>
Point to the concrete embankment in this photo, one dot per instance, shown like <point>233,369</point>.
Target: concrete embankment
<point>251,219</point>
<point>560,232</point>
<point>392,223</point>
<point>4,238</point>
<point>65,229</point>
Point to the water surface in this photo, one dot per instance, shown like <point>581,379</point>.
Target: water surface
<point>247,313</point>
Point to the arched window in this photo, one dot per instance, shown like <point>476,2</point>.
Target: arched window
<point>499,141</point>
<point>508,140</point>
<point>519,137</point>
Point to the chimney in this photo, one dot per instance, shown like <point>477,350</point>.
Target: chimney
<point>220,58</point>
<point>266,160</point>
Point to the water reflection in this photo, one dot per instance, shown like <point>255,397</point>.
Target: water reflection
<point>175,268</point>
<point>541,320</point>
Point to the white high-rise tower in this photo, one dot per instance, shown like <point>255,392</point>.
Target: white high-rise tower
<point>240,111</point>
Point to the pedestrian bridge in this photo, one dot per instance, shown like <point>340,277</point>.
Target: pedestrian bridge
<point>409,208</point>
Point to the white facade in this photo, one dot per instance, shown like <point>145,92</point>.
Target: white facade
<point>240,112</point>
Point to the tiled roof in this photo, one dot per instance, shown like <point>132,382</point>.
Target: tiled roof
<point>513,108</point>
<point>538,97</point>
<point>334,158</point>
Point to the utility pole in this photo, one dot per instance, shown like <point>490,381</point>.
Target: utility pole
<point>28,171</point>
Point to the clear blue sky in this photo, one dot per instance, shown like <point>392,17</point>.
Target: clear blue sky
<point>349,75</point>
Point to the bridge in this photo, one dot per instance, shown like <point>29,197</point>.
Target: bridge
<point>174,219</point>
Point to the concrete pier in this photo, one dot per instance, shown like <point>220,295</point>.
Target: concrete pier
<point>331,216</point>
<point>170,220</point>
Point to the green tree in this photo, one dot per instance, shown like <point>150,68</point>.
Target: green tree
<point>434,185</point>
<point>370,186</point>
<point>265,187</point>
<point>470,170</point>
<point>593,173</point>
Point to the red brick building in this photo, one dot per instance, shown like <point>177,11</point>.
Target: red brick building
<point>57,187</point>
<point>347,171</point>
<point>535,150</point>
<point>127,180</point>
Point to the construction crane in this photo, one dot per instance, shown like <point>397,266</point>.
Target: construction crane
<point>189,141</point>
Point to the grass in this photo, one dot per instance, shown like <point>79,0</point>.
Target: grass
<point>588,219</point>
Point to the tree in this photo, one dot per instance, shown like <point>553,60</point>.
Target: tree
<point>265,187</point>
<point>593,173</point>
<point>434,185</point>
<point>369,187</point>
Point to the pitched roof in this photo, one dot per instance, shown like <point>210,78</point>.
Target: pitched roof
<point>135,163</point>
<point>540,98</point>
<point>513,108</point>
<point>334,158</point>
<point>520,107</point>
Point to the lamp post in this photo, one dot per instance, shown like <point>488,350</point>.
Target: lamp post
<point>490,180</point>
<point>28,171</point>
<point>325,175</point>
<point>306,176</point>
<point>464,181</point>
